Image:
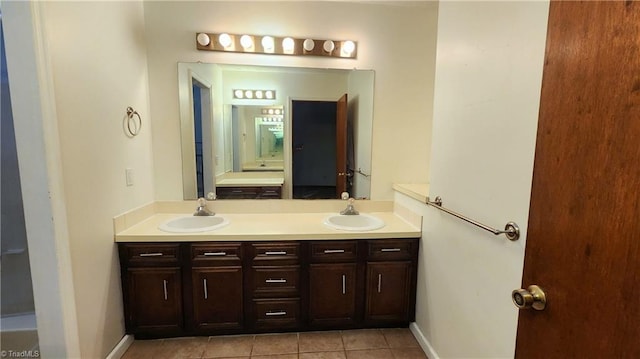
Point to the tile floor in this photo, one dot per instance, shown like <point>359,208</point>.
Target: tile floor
<point>349,344</point>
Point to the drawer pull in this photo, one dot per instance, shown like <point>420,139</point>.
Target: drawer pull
<point>276,313</point>
<point>209,254</point>
<point>281,280</point>
<point>237,191</point>
<point>158,254</point>
<point>275,253</point>
<point>379,282</point>
<point>164,286</point>
<point>206,291</point>
<point>329,251</point>
<point>344,284</point>
<point>390,250</point>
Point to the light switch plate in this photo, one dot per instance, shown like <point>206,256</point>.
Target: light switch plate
<point>129,176</point>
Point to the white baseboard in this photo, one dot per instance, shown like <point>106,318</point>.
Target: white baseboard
<point>424,343</point>
<point>122,347</point>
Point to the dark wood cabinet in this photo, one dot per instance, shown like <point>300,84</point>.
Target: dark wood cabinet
<point>152,288</point>
<point>217,298</point>
<point>390,281</point>
<point>274,285</point>
<point>388,292</point>
<point>257,192</point>
<point>332,298</point>
<point>208,288</point>
<point>216,282</point>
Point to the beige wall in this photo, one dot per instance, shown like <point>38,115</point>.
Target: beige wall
<point>397,41</point>
<point>99,67</point>
<point>488,79</point>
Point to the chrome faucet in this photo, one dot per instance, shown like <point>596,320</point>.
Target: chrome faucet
<point>202,209</point>
<point>350,210</point>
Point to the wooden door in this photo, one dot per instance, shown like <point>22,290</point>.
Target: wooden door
<point>332,294</point>
<point>388,288</point>
<point>583,245</point>
<point>155,299</point>
<point>341,145</point>
<point>217,297</point>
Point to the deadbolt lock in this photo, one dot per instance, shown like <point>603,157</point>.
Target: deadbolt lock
<point>532,297</point>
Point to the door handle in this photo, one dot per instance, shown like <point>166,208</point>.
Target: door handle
<point>532,297</point>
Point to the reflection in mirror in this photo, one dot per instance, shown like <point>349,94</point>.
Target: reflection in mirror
<point>256,153</point>
<point>257,138</point>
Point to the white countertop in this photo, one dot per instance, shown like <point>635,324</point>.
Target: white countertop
<point>267,226</point>
<point>418,191</point>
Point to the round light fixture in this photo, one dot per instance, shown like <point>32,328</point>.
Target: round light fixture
<point>348,47</point>
<point>248,94</point>
<point>238,93</point>
<point>267,43</point>
<point>308,45</point>
<point>203,39</point>
<point>328,46</point>
<point>258,94</point>
<point>269,95</point>
<point>246,42</point>
<point>288,44</point>
<point>224,40</point>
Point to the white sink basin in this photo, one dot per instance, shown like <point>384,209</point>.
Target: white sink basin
<point>359,222</point>
<point>193,224</point>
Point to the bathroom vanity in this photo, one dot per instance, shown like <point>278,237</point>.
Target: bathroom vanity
<point>225,287</point>
<point>257,185</point>
<point>267,276</point>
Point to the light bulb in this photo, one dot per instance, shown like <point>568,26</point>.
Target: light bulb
<point>238,93</point>
<point>328,46</point>
<point>267,43</point>
<point>288,44</point>
<point>258,93</point>
<point>203,39</point>
<point>248,94</point>
<point>348,47</point>
<point>224,40</point>
<point>246,41</point>
<point>269,94</point>
<point>308,45</point>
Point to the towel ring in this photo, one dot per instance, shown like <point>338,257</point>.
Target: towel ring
<point>133,126</point>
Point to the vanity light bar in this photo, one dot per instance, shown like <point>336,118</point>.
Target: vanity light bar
<point>246,94</point>
<point>276,45</point>
<point>272,111</point>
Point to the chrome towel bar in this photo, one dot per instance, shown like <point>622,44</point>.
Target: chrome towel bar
<point>511,230</point>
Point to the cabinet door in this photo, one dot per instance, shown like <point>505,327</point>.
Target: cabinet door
<point>217,297</point>
<point>388,292</point>
<point>154,300</point>
<point>332,297</point>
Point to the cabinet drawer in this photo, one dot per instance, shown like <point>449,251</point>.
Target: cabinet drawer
<point>280,313</point>
<point>334,251</point>
<point>391,249</point>
<point>276,253</point>
<point>280,281</point>
<point>270,192</point>
<point>216,254</point>
<point>150,254</point>
<point>237,192</point>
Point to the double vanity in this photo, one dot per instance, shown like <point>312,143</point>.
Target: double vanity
<point>266,266</point>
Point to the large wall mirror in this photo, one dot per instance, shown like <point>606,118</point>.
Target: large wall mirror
<point>309,138</point>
